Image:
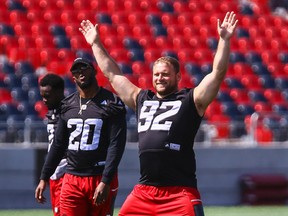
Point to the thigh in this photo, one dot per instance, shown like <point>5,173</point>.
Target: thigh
<point>107,208</point>
<point>72,199</point>
<point>137,203</point>
<point>55,191</point>
<point>184,202</point>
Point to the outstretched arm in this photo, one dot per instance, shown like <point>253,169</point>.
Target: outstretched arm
<point>126,90</point>
<point>208,88</point>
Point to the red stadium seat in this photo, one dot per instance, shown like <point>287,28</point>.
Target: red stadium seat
<point>124,30</point>
<point>78,42</point>
<point>120,17</point>
<point>17,16</point>
<point>273,95</point>
<point>221,123</point>
<point>26,42</point>
<point>5,96</point>
<point>262,107</point>
<point>59,67</point>
<point>7,42</point>
<point>181,6</point>
<point>44,41</point>
<point>145,81</point>
<point>146,42</point>
<point>107,30</point>
<point>113,42</point>
<point>163,42</point>
<point>139,67</point>
<point>22,29</point>
<point>250,81</point>
<point>169,19</point>
<point>52,16</point>
<point>136,18</point>
<point>151,54</point>
<point>263,135</point>
<point>185,18</point>
<point>142,30</point>
<point>120,55</point>
<point>68,17</point>
<point>239,95</point>
<point>185,81</point>
<point>132,5</point>
<point>213,108</point>
<point>40,29</point>
<point>175,30</point>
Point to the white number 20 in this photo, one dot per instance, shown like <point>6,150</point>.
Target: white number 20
<point>90,130</point>
<point>171,107</point>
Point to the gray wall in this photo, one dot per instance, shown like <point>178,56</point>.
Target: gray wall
<point>219,171</point>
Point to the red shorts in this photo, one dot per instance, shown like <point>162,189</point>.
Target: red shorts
<point>77,196</point>
<point>55,190</point>
<point>150,200</point>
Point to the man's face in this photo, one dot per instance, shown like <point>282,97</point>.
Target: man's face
<point>84,76</point>
<point>165,79</point>
<point>50,97</point>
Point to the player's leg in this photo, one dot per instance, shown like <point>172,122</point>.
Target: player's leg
<point>179,201</point>
<point>55,191</point>
<point>73,198</point>
<point>107,208</point>
<point>138,202</point>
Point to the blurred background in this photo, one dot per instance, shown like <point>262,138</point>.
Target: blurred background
<point>244,130</point>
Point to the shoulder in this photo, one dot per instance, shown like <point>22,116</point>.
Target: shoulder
<point>111,102</point>
<point>145,95</point>
<point>69,101</point>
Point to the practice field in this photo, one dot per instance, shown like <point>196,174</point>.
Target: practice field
<point>209,211</point>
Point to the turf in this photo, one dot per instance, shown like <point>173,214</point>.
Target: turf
<point>209,211</point>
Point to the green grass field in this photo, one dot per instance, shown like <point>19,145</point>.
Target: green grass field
<point>209,211</point>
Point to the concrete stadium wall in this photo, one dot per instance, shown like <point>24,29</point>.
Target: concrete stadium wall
<point>219,171</point>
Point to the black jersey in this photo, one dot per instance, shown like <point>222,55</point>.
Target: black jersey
<point>53,117</point>
<point>167,128</point>
<point>95,139</point>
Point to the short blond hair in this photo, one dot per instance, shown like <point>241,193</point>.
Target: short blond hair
<point>170,61</point>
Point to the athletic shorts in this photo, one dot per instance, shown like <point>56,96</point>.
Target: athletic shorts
<point>55,190</point>
<point>77,196</point>
<point>150,200</point>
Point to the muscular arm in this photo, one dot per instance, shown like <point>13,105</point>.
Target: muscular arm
<point>126,90</point>
<point>208,88</point>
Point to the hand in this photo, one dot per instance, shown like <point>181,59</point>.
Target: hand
<point>228,26</point>
<point>89,31</point>
<point>39,192</point>
<point>101,193</point>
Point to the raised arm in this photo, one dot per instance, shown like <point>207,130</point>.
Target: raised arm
<point>208,88</point>
<point>126,90</point>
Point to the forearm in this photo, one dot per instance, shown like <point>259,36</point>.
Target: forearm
<point>115,150</point>
<point>105,62</point>
<point>53,159</point>
<point>221,59</point>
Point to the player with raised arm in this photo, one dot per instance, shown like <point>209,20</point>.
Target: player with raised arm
<point>168,120</point>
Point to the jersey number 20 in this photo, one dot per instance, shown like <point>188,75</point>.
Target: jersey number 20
<point>89,130</point>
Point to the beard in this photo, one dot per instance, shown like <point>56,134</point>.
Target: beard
<point>85,84</point>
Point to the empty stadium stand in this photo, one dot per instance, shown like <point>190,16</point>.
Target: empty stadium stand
<point>37,37</point>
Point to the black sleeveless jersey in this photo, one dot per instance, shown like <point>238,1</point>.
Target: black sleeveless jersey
<point>167,128</point>
<point>94,139</point>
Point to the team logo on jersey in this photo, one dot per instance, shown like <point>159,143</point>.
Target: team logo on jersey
<point>104,102</point>
<point>173,146</point>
